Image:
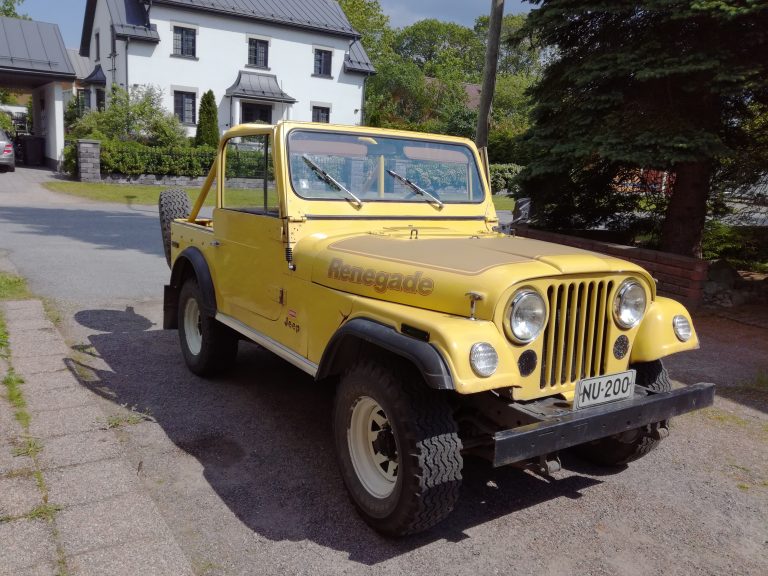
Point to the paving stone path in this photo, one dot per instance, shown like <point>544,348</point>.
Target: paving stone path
<point>76,507</point>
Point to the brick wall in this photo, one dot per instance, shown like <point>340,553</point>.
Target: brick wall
<point>678,277</point>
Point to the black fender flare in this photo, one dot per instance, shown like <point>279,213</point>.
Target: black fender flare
<point>423,355</point>
<point>190,262</point>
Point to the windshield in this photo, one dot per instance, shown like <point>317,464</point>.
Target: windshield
<point>330,166</point>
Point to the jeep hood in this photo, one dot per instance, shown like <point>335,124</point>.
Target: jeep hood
<point>437,272</point>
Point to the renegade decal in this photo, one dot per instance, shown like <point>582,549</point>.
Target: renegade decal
<point>381,281</point>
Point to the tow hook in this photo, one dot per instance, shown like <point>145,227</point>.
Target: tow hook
<point>659,430</point>
<point>546,465</point>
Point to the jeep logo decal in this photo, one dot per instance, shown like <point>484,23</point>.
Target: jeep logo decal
<point>380,280</point>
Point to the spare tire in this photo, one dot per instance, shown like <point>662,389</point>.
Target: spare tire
<point>173,203</point>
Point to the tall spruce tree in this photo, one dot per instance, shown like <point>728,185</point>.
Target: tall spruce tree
<point>661,84</point>
<point>207,133</point>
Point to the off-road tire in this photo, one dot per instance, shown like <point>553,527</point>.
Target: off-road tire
<point>624,448</point>
<point>208,346</point>
<point>172,204</point>
<point>427,443</point>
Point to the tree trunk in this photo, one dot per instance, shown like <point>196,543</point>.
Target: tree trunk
<point>687,210</point>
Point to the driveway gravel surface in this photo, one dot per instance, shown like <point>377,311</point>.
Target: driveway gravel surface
<point>241,469</point>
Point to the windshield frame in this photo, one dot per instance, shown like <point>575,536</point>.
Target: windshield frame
<point>473,160</point>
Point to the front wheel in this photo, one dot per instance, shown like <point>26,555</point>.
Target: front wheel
<point>624,448</point>
<point>398,448</point>
<point>207,345</point>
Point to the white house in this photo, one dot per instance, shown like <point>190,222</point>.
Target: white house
<point>266,60</point>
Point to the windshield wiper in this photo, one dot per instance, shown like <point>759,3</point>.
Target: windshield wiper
<point>416,188</point>
<point>328,179</point>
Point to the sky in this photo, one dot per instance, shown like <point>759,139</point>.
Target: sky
<point>68,14</point>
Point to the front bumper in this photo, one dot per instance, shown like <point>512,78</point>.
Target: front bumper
<point>555,433</point>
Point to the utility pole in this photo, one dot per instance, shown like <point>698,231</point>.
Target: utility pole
<point>489,73</point>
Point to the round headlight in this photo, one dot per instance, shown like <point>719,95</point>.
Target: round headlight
<point>483,359</point>
<point>527,316</point>
<point>682,328</point>
<point>629,306</point>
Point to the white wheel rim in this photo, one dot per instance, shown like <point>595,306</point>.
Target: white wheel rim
<point>193,326</point>
<point>372,448</point>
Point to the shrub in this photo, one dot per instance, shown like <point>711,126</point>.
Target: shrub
<point>7,124</point>
<point>69,164</point>
<point>136,116</point>
<point>745,247</point>
<point>208,121</point>
<point>503,178</point>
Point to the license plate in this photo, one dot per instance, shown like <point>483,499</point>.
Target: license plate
<point>593,391</point>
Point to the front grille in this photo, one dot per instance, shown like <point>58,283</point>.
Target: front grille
<point>575,336</point>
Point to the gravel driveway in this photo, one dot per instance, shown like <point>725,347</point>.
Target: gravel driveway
<point>243,472</point>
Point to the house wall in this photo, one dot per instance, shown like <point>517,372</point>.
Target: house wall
<point>222,51</point>
<point>103,26</point>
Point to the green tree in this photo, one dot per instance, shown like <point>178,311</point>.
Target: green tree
<point>10,8</point>
<point>208,121</point>
<point>430,44</point>
<point>136,116</point>
<point>662,84</point>
<point>370,21</point>
<point>518,54</point>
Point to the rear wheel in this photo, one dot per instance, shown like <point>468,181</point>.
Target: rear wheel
<point>628,446</point>
<point>207,345</point>
<point>398,448</point>
<point>172,204</point>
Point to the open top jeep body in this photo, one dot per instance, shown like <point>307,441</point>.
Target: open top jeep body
<point>370,259</point>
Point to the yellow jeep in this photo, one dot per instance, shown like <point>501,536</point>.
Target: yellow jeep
<point>371,259</point>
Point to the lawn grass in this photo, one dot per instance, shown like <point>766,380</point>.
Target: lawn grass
<point>503,202</point>
<point>120,193</point>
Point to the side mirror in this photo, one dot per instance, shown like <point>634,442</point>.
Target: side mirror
<point>522,212</point>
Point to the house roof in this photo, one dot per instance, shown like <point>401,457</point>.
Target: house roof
<point>323,15</point>
<point>129,18</point>
<point>82,64</point>
<point>96,77</point>
<point>32,53</point>
<point>259,87</point>
<point>357,60</point>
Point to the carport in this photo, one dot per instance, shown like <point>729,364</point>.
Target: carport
<point>33,59</point>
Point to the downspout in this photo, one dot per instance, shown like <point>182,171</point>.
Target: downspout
<point>127,42</point>
<point>362,101</point>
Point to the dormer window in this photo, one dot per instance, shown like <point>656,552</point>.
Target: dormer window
<point>184,42</point>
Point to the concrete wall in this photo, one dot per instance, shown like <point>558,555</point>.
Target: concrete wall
<point>222,51</point>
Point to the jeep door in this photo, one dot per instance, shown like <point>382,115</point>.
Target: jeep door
<point>250,257</point>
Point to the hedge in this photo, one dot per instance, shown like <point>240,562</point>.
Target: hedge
<point>134,159</point>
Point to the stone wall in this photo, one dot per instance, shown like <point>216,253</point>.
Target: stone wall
<point>679,277</point>
<point>89,160</point>
<point>182,181</point>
